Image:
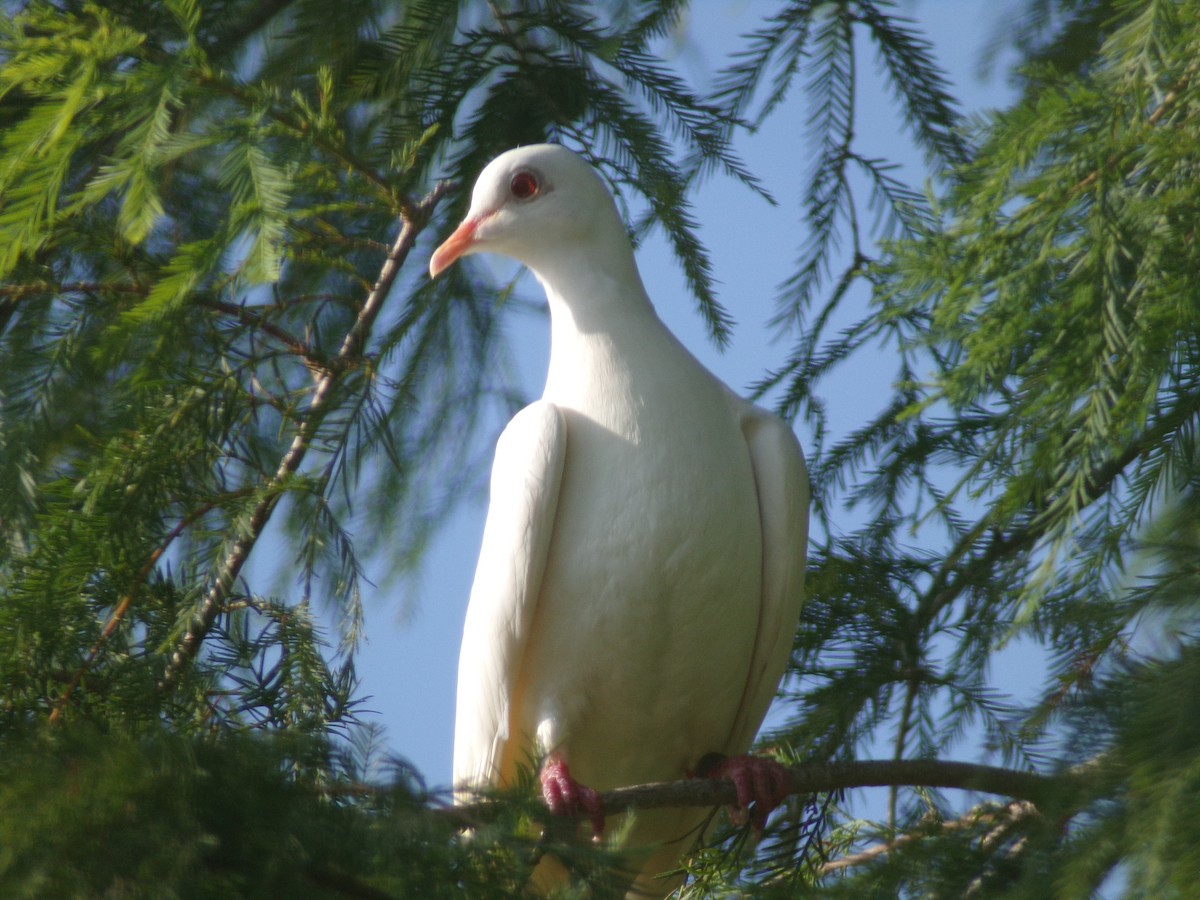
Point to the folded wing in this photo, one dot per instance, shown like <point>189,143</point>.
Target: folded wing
<point>525,483</point>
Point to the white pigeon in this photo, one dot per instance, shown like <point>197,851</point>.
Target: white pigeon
<point>643,560</point>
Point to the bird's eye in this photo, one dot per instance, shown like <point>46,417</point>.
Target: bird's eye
<point>524,186</point>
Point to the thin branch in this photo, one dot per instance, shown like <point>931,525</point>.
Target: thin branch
<point>122,608</point>
<point>352,345</point>
<point>71,287</point>
<point>248,317</point>
<point>1005,817</point>
<point>818,778</point>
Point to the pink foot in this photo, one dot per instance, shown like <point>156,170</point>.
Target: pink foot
<point>565,796</point>
<point>761,784</point>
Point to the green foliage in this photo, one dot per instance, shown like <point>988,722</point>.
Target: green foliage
<point>1019,481</point>
<point>193,218</point>
<point>88,816</point>
<point>215,336</point>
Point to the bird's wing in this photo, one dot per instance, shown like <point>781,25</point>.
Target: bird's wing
<point>781,481</point>
<point>526,476</point>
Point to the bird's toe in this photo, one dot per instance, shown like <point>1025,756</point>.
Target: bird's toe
<point>761,786</point>
<point>564,796</point>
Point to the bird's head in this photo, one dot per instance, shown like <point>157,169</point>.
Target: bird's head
<point>533,204</point>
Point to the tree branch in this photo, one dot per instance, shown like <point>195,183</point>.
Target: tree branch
<point>820,778</point>
<point>352,346</point>
<point>1168,101</point>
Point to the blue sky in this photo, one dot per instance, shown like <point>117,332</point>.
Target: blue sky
<point>408,661</point>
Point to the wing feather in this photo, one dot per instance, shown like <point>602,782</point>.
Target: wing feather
<point>525,483</point>
<point>781,482</point>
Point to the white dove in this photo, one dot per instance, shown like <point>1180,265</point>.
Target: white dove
<point>642,566</point>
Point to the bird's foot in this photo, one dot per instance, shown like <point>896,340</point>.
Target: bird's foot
<point>761,785</point>
<point>565,796</point>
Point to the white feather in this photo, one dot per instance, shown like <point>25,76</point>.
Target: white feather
<point>516,538</point>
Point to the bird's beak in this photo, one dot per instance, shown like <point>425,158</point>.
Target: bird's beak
<point>453,247</point>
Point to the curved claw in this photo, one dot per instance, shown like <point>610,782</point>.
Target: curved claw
<point>565,796</point>
<point>761,785</point>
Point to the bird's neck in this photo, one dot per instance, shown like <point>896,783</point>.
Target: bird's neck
<point>605,334</point>
<point>596,296</point>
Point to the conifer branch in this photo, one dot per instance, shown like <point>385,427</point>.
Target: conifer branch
<point>122,608</point>
<point>352,346</point>
<point>952,579</point>
<point>300,126</point>
<point>1164,106</point>
<point>253,21</point>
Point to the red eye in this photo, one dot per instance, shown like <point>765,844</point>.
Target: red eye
<point>524,185</point>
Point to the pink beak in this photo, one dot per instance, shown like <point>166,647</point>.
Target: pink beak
<point>453,247</point>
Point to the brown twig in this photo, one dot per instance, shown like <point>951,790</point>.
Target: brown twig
<point>247,316</point>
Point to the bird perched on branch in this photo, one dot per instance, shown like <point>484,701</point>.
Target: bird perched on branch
<point>643,560</point>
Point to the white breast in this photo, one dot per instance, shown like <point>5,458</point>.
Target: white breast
<point>649,605</point>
